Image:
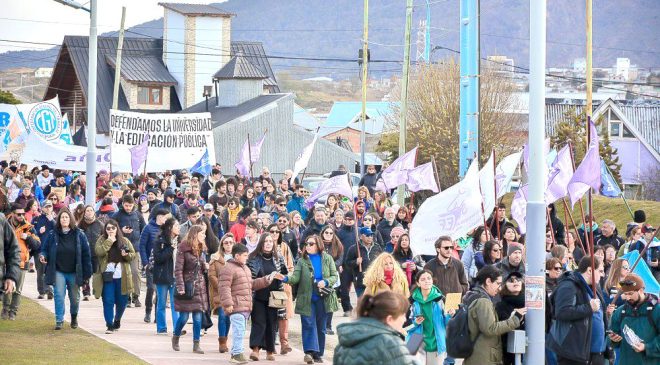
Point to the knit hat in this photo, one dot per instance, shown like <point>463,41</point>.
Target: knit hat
<point>632,282</point>
<point>639,216</point>
<point>397,230</point>
<point>513,247</point>
<point>630,227</point>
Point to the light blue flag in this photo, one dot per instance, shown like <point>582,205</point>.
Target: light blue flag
<point>608,186</point>
<point>202,166</point>
<point>643,271</point>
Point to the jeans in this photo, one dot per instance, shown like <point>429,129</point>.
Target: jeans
<point>10,302</point>
<point>359,290</point>
<point>42,288</point>
<point>161,306</point>
<point>238,324</point>
<point>114,303</point>
<point>223,323</point>
<point>197,324</point>
<point>66,282</point>
<point>313,329</point>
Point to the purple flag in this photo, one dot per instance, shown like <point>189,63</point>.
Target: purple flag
<point>334,185</point>
<point>249,155</point>
<point>559,175</point>
<point>587,175</point>
<point>422,178</point>
<point>139,154</point>
<point>519,208</point>
<point>255,149</point>
<point>397,173</point>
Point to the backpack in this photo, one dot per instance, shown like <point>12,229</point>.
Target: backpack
<point>459,344</point>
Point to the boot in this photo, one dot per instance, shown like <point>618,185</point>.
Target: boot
<point>222,345</point>
<point>136,302</point>
<point>270,356</point>
<point>74,321</point>
<point>254,356</point>
<point>5,314</point>
<point>147,317</point>
<point>284,337</point>
<point>196,348</point>
<point>116,324</point>
<point>175,343</point>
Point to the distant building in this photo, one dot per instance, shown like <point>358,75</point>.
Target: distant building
<point>501,64</point>
<point>344,123</point>
<point>43,72</point>
<point>622,69</point>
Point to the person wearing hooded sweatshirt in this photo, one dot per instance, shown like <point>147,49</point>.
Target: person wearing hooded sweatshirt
<point>512,297</point>
<point>167,203</point>
<point>429,317</point>
<point>347,236</point>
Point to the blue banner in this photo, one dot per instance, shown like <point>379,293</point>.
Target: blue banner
<point>202,166</point>
<point>642,269</point>
<point>608,186</point>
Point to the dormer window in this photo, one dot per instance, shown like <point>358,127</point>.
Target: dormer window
<point>150,95</point>
<point>617,128</point>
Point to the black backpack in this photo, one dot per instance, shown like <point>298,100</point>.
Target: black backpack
<point>459,344</point>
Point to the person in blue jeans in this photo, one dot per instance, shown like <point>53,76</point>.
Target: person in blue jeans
<point>189,269</point>
<point>65,252</point>
<point>314,271</point>
<point>163,272</point>
<point>113,281</point>
<point>216,265</point>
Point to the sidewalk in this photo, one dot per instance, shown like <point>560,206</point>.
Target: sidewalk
<point>140,339</point>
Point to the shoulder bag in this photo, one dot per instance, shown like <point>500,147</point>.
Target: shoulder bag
<point>189,285</point>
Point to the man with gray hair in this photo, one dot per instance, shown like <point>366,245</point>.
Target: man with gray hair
<point>388,222</point>
<point>609,235</point>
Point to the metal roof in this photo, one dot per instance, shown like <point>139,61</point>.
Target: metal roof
<point>149,69</point>
<point>223,115</point>
<point>196,9</point>
<point>346,114</point>
<point>254,51</point>
<point>647,121</point>
<point>239,67</point>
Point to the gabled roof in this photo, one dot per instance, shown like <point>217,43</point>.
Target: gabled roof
<point>239,67</point>
<point>346,114</point>
<point>223,115</point>
<point>196,9</point>
<point>148,69</point>
<point>304,119</point>
<point>254,51</point>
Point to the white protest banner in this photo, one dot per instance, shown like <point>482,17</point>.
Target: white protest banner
<point>487,185</point>
<point>177,141</point>
<point>452,212</point>
<point>43,118</point>
<point>39,152</point>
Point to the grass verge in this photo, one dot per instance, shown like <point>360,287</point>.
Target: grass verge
<point>30,339</point>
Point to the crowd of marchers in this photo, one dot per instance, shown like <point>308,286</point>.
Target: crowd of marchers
<point>235,251</point>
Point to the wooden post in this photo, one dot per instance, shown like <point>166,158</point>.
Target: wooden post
<point>574,226</point>
<point>355,225</point>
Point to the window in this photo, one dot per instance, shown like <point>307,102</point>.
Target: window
<point>150,95</point>
<point>627,133</point>
<point>615,129</point>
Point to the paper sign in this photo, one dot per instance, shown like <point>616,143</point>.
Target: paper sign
<point>452,301</point>
<point>75,205</point>
<point>534,292</point>
<point>59,191</point>
<point>117,194</point>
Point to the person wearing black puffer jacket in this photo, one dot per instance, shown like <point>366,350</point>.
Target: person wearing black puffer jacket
<point>131,224</point>
<point>512,296</point>
<point>347,236</point>
<point>148,239</point>
<point>315,225</point>
<point>163,272</point>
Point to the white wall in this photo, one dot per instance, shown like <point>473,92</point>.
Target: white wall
<point>208,40</point>
<point>174,58</point>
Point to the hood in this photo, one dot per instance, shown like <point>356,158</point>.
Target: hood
<point>315,226</point>
<point>434,295</point>
<point>352,334</point>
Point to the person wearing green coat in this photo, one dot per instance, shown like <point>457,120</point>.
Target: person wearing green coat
<point>113,281</point>
<point>377,336</point>
<point>640,313</point>
<point>314,272</point>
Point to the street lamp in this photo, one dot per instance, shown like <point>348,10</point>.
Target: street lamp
<point>90,189</point>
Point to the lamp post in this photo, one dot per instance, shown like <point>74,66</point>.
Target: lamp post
<point>90,190</point>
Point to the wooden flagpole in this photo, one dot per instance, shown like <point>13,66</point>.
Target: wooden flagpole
<point>250,157</point>
<point>570,215</point>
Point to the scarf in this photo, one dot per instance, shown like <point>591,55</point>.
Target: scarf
<point>389,276</point>
<point>233,213</point>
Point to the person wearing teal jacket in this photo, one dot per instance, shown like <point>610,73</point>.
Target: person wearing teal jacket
<point>641,314</point>
<point>429,317</point>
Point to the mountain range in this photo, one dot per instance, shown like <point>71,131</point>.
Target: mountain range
<point>333,29</point>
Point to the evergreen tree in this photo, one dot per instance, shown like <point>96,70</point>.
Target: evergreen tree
<point>7,97</point>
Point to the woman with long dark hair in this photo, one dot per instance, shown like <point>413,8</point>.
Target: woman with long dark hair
<point>480,236</point>
<point>68,264</point>
<point>189,272</point>
<point>285,315</point>
<point>264,261</point>
<point>212,242</point>
<point>490,255</point>
<point>162,270</point>
<point>93,229</point>
<point>113,279</point>
<point>404,257</point>
<point>332,246</point>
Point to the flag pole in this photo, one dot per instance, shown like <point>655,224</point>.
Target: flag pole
<point>355,225</point>
<point>566,211</point>
<point>499,234</point>
<point>436,173</point>
<point>552,229</point>
<point>625,201</point>
<point>250,158</point>
<point>591,208</point>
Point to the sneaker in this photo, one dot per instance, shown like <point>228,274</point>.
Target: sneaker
<point>4,315</point>
<point>347,314</point>
<point>147,317</point>
<point>58,325</point>
<point>318,360</point>
<point>238,359</point>
<point>49,295</point>
<point>116,325</point>
<point>329,331</point>
<point>109,330</point>
<point>161,333</point>
<point>129,304</point>
<point>41,296</point>
<point>308,359</point>
<point>137,304</point>
<point>86,298</point>
<point>12,316</point>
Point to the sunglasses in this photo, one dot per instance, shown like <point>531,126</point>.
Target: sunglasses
<point>19,214</point>
<point>110,228</point>
<point>282,205</point>
<point>311,243</point>
<point>496,250</point>
<point>447,248</point>
<point>627,283</point>
<point>328,233</point>
<point>557,268</point>
<point>274,231</point>
<point>513,280</point>
<point>625,268</point>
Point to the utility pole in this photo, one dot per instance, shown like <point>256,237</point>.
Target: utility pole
<point>469,87</point>
<point>590,85</point>
<point>536,208</point>
<point>90,191</point>
<point>365,61</point>
<point>404,93</point>
<point>120,48</point>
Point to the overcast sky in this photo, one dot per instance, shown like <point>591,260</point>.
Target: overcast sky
<point>48,21</point>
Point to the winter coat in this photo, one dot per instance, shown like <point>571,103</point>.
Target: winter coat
<point>173,208</point>
<point>102,247</point>
<point>367,256</point>
<point>256,265</point>
<point>163,269</point>
<point>369,341</point>
<point>613,240</point>
<point>557,225</point>
<point>504,308</point>
<point>235,287</point>
<point>10,253</point>
<point>93,232</point>
<point>189,267</point>
<point>133,220</point>
<point>570,334</point>
<point>369,180</point>
<point>346,235</point>
<point>302,277</point>
<point>216,266</point>
<point>582,231</point>
<point>31,243</point>
<point>438,319</point>
<point>285,252</point>
<point>507,269</point>
<point>385,229</point>
<point>83,256</point>
<point>298,204</point>
<point>148,239</point>
<point>637,319</point>
<point>468,260</point>
<point>312,229</point>
<point>486,328</point>
<point>448,278</point>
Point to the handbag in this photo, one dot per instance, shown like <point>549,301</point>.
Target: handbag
<point>207,321</point>
<point>277,299</point>
<point>189,286</point>
<point>107,276</point>
<point>323,292</point>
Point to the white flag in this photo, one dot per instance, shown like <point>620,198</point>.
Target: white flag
<point>487,184</point>
<point>303,158</point>
<point>422,178</point>
<point>519,208</point>
<point>452,212</point>
<point>504,173</point>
